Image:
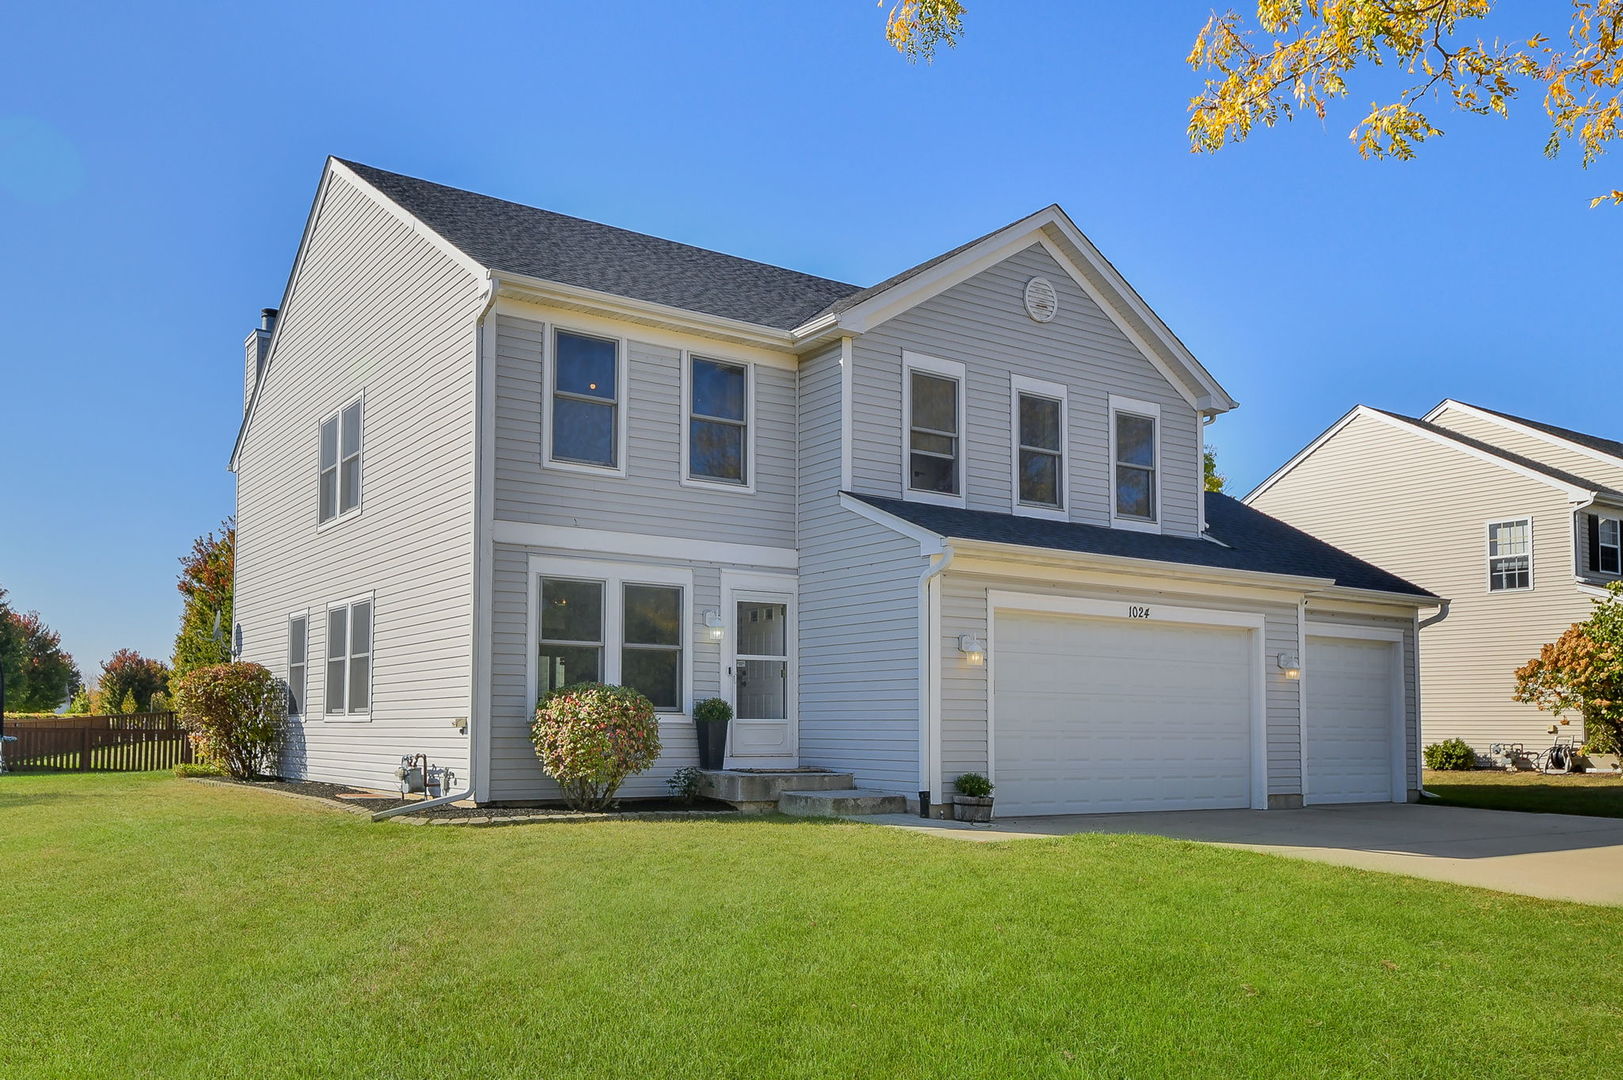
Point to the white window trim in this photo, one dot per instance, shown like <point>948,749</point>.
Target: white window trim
<point>707,483</point>
<point>371,656</point>
<point>304,698</point>
<point>613,575</point>
<point>950,369</point>
<point>622,401</point>
<point>338,487</point>
<point>1019,384</point>
<point>1150,409</point>
<point>1599,547</point>
<point>1488,556</point>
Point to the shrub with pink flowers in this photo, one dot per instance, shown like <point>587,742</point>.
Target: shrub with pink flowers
<point>591,736</point>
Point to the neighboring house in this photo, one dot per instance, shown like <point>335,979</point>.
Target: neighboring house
<point>1515,521</point>
<point>952,522</point>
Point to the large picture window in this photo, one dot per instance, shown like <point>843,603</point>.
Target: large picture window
<point>349,659</point>
<point>613,628</point>
<point>585,397</point>
<point>1510,555</point>
<point>339,481</point>
<point>718,421</point>
<point>933,458</point>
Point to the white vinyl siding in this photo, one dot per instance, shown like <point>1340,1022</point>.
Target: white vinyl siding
<point>1510,555</point>
<point>982,323</point>
<point>374,303</point>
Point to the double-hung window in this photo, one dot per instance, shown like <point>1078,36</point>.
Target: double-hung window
<point>1605,545</point>
<point>1510,555</point>
<point>584,398</point>
<point>606,624</point>
<point>339,481</point>
<point>1038,423</point>
<point>1135,463</point>
<point>933,453</point>
<point>298,643</point>
<point>349,659</point>
<point>718,427</point>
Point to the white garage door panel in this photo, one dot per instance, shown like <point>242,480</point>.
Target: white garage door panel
<point>1349,720</point>
<point>1107,715</point>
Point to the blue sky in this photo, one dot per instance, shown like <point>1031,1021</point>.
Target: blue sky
<point>157,162</point>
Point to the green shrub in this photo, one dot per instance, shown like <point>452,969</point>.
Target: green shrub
<point>590,737</point>
<point>713,710</point>
<point>236,713</point>
<point>198,768</point>
<point>684,783</point>
<point>1450,755</point>
<point>974,784</point>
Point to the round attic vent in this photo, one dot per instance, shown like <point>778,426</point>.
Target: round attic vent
<point>1042,302</point>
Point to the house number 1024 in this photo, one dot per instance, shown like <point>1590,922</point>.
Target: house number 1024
<point>1134,612</point>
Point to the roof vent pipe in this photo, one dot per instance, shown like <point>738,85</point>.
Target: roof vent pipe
<point>267,318</point>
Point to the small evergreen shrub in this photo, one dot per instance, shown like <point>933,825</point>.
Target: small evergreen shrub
<point>684,783</point>
<point>198,768</point>
<point>591,736</point>
<point>234,713</point>
<point>973,784</point>
<point>1450,755</point>
<point>713,710</point>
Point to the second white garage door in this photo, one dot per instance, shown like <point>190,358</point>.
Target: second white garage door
<point>1350,707</point>
<point>1109,715</point>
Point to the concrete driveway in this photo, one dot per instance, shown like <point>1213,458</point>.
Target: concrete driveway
<point>1557,856</point>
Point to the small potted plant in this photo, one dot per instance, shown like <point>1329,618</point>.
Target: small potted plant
<point>973,801</point>
<point>710,719</point>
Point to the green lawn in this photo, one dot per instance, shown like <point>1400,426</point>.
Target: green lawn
<point>158,927</point>
<point>1595,794</point>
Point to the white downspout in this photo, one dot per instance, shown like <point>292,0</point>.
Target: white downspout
<point>929,752</point>
<point>479,611</point>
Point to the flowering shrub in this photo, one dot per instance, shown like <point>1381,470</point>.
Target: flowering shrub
<point>590,737</point>
<point>234,713</point>
<point>1582,671</point>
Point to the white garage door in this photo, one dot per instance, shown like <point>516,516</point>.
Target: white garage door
<point>1109,715</point>
<point>1350,705</point>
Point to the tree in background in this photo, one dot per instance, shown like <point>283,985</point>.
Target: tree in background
<point>39,675</point>
<point>1214,481</point>
<point>1582,670</point>
<point>205,583</point>
<point>129,678</point>
<point>1298,54</point>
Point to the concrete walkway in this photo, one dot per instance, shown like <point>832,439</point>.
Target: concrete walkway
<point>1557,856</point>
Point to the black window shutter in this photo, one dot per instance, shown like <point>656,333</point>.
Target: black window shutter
<point>1594,543</point>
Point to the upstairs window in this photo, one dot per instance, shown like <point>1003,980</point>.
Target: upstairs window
<point>585,401</point>
<point>718,432</point>
<point>298,640</point>
<point>934,406</point>
<point>339,483</point>
<point>1135,462</point>
<point>1038,422</point>
<point>349,660</point>
<point>1510,555</point>
<point>1605,545</point>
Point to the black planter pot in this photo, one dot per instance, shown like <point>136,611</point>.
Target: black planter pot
<point>712,743</point>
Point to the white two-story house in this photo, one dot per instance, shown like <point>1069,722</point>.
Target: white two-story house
<point>951,522</point>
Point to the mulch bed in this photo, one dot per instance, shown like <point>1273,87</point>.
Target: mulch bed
<point>371,802</point>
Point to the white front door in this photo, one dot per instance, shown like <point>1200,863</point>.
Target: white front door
<point>760,674</point>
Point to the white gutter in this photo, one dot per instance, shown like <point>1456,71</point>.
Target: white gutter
<point>929,645</point>
<point>479,610</point>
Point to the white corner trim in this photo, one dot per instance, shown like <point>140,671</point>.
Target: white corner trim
<point>640,545</point>
<point>1524,429</point>
<point>930,543</point>
<point>847,386</point>
<point>1021,385</point>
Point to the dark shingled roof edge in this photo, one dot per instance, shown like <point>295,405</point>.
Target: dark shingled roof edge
<point>1504,455</point>
<point>1249,540</point>
<point>1610,447</point>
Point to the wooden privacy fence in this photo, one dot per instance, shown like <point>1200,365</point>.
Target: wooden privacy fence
<point>134,742</point>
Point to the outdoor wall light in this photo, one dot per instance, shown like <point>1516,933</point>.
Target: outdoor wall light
<point>713,624</point>
<point>972,647</point>
<point>1291,665</point>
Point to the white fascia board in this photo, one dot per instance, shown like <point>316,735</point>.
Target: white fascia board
<point>1186,375</point>
<point>557,294</point>
<point>930,543</point>
<point>1571,491</point>
<point>1524,429</point>
<point>1379,596</point>
<point>1016,553</point>
<point>410,220</point>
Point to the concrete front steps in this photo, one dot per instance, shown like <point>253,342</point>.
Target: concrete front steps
<point>800,792</point>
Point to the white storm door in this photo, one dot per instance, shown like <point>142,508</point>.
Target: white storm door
<point>760,676</point>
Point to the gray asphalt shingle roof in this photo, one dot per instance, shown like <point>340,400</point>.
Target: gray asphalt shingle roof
<point>502,235</point>
<point>1504,455</point>
<point>1249,540</point>
<point>1594,442</point>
